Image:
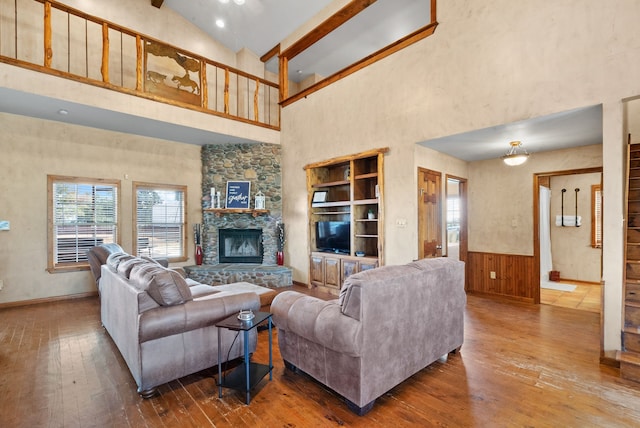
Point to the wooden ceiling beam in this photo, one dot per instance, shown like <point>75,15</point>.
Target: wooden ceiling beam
<point>330,24</point>
<point>274,51</point>
<point>157,3</point>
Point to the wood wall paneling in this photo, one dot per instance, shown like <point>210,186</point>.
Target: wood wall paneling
<point>514,275</point>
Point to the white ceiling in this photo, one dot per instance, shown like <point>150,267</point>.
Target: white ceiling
<point>258,24</point>
<point>573,128</point>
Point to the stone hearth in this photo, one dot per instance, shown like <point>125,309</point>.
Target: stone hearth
<point>272,276</point>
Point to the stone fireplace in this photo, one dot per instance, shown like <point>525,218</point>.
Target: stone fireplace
<point>249,253</point>
<point>214,242</point>
<point>260,165</point>
<point>240,245</point>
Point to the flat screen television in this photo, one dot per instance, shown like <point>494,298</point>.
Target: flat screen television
<point>333,236</point>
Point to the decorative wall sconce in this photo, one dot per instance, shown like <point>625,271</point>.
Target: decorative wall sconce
<point>515,157</point>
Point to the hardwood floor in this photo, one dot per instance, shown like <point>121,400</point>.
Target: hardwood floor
<point>520,365</point>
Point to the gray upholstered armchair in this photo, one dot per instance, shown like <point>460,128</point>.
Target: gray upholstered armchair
<point>388,324</point>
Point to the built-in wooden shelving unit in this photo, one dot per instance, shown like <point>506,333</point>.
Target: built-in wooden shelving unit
<point>355,187</point>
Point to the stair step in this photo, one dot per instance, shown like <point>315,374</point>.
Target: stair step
<point>631,313</point>
<point>632,292</point>
<point>630,366</point>
<point>631,339</point>
<point>630,357</point>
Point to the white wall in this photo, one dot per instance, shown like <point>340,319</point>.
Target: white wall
<point>571,248</point>
<point>501,198</point>
<point>488,63</point>
<point>31,149</point>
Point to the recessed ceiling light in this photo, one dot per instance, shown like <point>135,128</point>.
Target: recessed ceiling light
<point>238,2</point>
<point>219,23</point>
<point>63,112</point>
<point>224,1</point>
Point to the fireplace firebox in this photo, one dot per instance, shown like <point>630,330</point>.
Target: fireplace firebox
<point>240,245</point>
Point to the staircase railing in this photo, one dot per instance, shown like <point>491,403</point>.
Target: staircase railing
<point>69,43</point>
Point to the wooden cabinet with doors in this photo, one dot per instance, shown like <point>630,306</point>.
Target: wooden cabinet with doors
<point>350,265</point>
<point>347,193</point>
<point>328,271</point>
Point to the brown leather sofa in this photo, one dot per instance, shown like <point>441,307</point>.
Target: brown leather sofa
<point>164,324</point>
<point>388,324</point>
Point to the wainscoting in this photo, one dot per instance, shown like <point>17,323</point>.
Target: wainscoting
<point>514,275</point>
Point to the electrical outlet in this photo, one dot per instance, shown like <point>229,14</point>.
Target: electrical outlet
<point>401,222</point>
<point>492,275</point>
<point>1,284</point>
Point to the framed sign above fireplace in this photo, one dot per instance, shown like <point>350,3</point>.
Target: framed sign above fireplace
<point>238,194</point>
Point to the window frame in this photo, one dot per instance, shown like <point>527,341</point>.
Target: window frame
<point>52,266</point>
<point>137,185</point>
<point>596,216</point>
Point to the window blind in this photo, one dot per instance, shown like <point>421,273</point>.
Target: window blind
<point>160,221</point>
<point>84,215</point>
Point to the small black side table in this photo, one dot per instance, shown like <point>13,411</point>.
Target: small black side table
<point>247,375</point>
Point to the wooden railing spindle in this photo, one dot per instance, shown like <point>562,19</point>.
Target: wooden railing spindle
<point>105,53</point>
<point>138,63</point>
<point>226,91</point>
<point>48,52</point>
<point>204,88</point>
<point>256,98</point>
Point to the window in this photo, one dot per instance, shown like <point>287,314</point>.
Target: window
<point>83,213</point>
<point>160,221</point>
<point>453,212</point>
<point>596,216</point>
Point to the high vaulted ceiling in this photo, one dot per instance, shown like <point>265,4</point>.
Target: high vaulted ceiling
<point>259,25</point>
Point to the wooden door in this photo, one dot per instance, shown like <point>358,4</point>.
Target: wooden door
<point>348,268</point>
<point>332,272</point>
<point>429,213</point>
<point>316,273</point>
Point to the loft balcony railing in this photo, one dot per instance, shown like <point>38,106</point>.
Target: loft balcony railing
<point>53,38</point>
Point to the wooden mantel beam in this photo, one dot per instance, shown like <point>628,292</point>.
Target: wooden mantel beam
<point>157,3</point>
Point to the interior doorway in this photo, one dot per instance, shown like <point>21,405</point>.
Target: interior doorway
<point>456,217</point>
<point>567,244</point>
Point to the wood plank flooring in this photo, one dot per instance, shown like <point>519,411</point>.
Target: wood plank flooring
<point>520,365</point>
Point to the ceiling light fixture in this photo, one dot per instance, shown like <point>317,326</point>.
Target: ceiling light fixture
<point>513,157</point>
<point>239,2</point>
<point>224,1</point>
<point>219,23</point>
